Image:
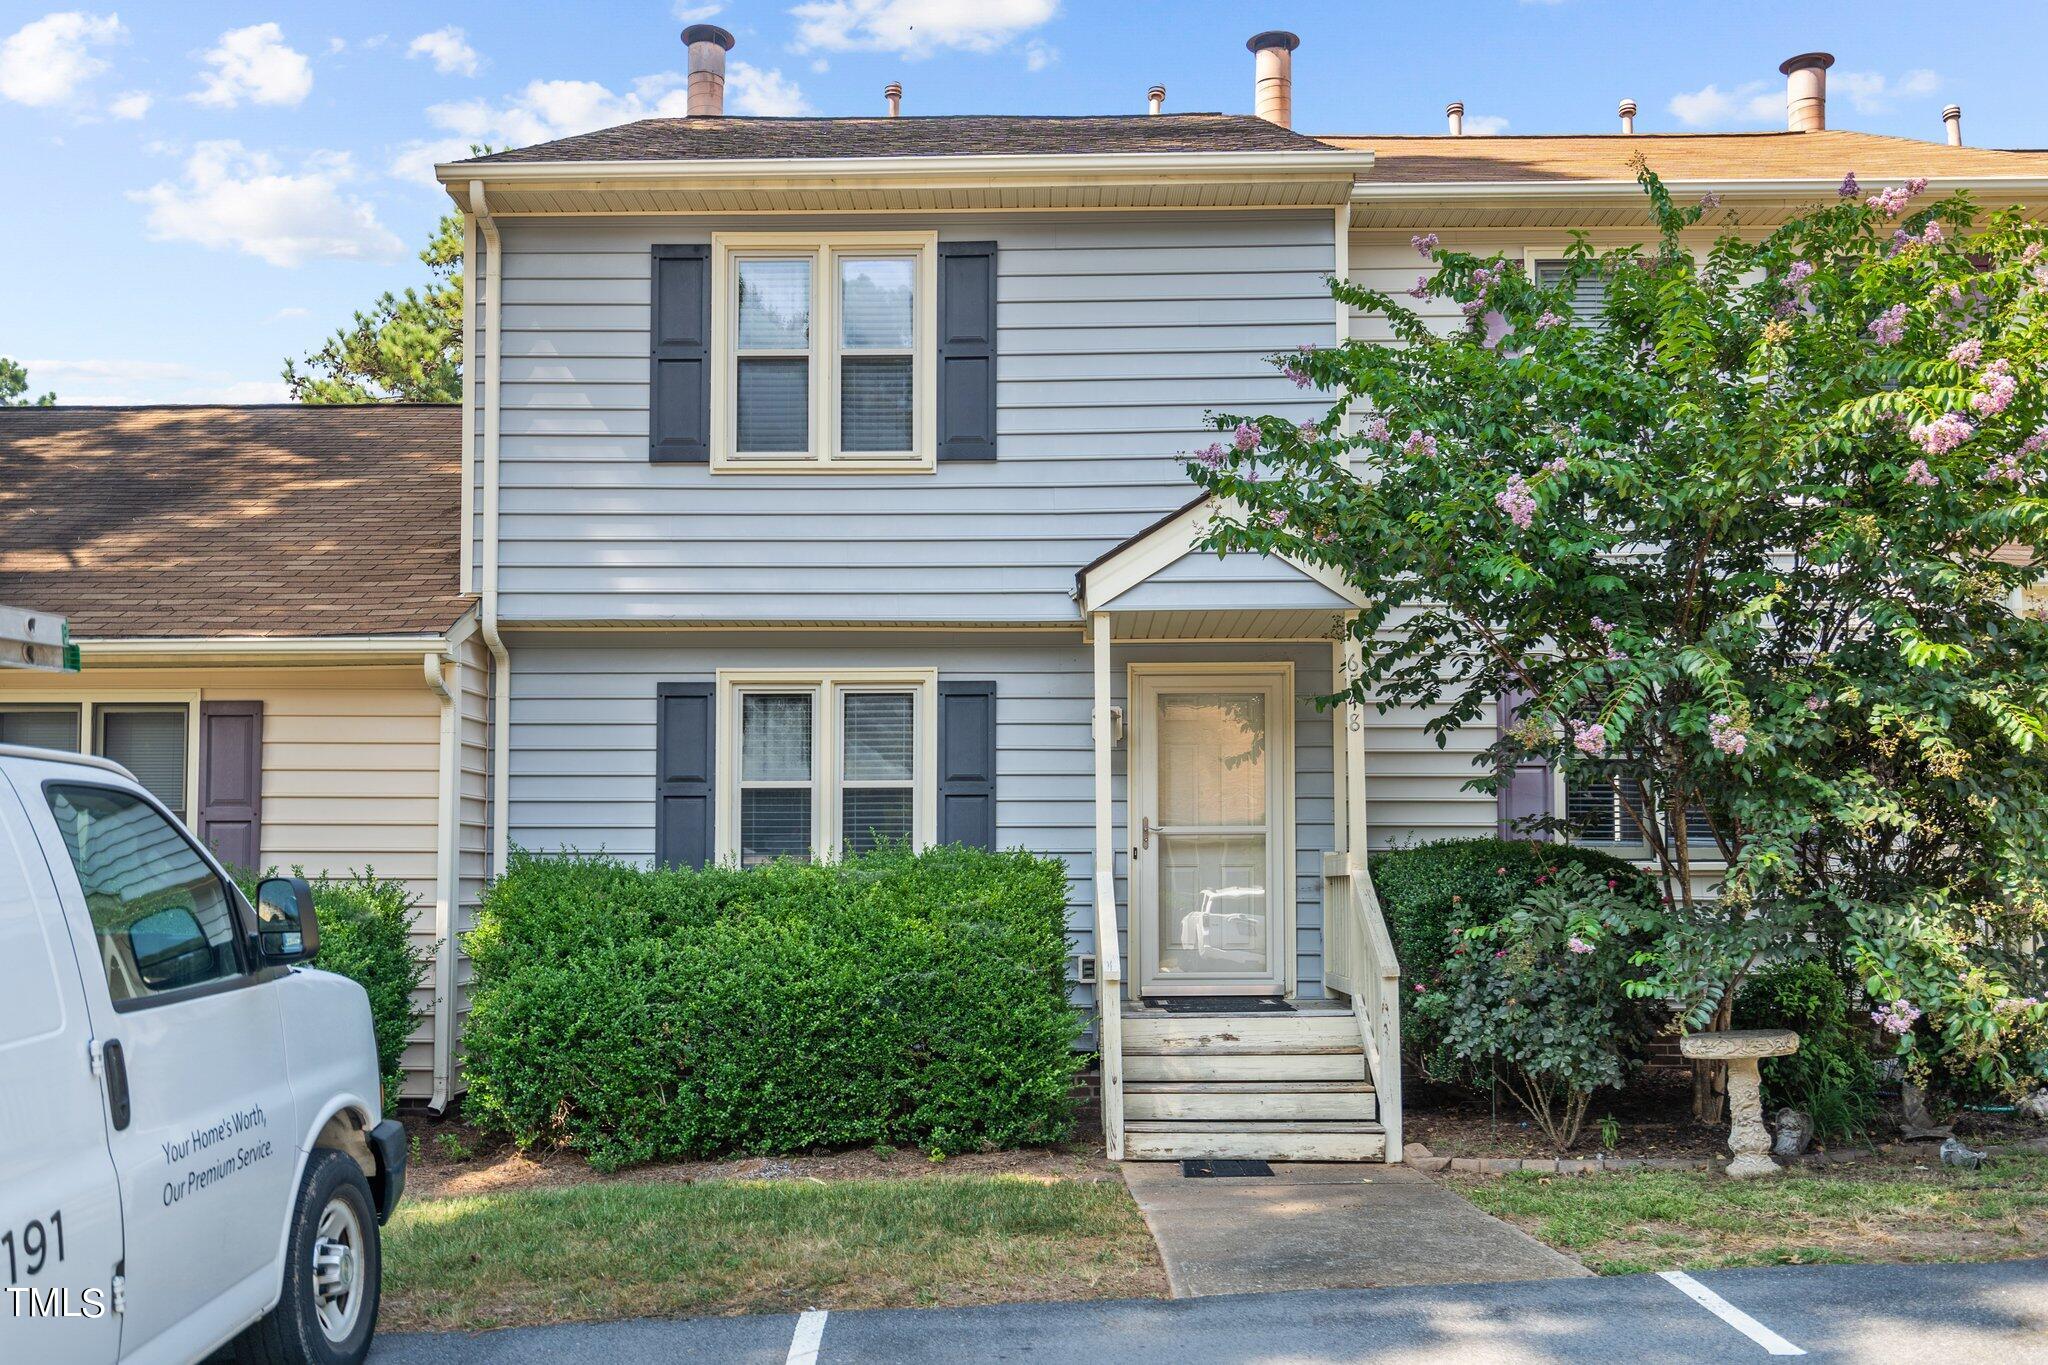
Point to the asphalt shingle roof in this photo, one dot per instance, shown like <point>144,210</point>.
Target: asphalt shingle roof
<point>1825,155</point>
<point>716,139</point>
<point>233,521</point>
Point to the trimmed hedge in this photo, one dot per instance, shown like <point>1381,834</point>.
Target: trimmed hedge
<point>366,925</point>
<point>1427,891</point>
<point>899,998</point>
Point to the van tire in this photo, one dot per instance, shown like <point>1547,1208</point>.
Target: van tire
<point>332,1188</point>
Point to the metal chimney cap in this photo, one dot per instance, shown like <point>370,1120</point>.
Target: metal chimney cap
<point>1272,37</point>
<point>708,33</point>
<point>1952,111</point>
<point>1455,107</point>
<point>893,88</point>
<point>1818,60</point>
<point>1627,107</point>
<point>1157,92</point>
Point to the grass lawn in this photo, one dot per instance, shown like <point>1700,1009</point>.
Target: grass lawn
<point>1623,1224</point>
<point>622,1249</point>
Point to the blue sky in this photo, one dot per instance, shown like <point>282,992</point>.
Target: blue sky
<point>200,190</point>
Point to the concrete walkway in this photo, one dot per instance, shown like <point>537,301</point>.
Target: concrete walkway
<point>1327,1225</point>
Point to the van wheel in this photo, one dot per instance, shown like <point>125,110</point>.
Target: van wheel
<point>333,1266</point>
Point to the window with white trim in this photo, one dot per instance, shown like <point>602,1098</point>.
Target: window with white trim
<point>150,739</point>
<point>826,765</point>
<point>1589,295</point>
<point>1608,808</point>
<point>824,350</point>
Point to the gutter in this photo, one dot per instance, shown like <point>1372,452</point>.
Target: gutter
<point>1368,191</point>
<point>501,658</point>
<point>447,892</point>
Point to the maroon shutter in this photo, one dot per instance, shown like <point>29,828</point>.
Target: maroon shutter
<point>231,781</point>
<point>1524,799</point>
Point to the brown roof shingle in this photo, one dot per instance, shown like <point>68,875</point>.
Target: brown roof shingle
<point>1441,159</point>
<point>233,521</point>
<point>719,139</point>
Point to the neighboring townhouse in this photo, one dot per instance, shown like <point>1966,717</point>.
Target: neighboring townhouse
<point>274,641</point>
<point>823,483</point>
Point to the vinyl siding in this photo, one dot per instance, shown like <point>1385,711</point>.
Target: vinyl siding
<point>582,711</point>
<point>1116,333</point>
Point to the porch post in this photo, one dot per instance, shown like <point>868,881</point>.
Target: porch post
<point>1109,973</point>
<point>1352,718</point>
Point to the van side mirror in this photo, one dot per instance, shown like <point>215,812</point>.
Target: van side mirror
<point>286,928</point>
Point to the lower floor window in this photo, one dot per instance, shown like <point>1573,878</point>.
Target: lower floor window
<point>827,764</point>
<point>1608,807</point>
<point>149,739</point>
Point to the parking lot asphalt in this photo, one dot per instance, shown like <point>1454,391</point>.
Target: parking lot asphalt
<point>1950,1313</point>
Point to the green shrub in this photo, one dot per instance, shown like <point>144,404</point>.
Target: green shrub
<point>1832,1076</point>
<point>1539,992</point>
<point>366,924</point>
<point>899,998</point>
<point>1425,889</point>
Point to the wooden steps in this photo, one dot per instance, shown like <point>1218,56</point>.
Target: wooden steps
<point>1283,1087</point>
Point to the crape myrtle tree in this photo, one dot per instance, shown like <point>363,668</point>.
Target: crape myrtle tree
<point>1749,544</point>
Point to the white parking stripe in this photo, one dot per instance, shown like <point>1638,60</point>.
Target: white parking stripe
<point>1726,1312</point>
<point>810,1333</point>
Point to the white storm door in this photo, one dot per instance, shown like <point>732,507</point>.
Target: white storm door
<point>1210,776</point>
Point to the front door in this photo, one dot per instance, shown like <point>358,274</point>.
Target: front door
<point>1210,838</point>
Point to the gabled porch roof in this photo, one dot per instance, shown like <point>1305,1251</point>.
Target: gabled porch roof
<point>1161,585</point>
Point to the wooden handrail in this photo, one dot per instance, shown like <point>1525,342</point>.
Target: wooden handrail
<point>1373,974</point>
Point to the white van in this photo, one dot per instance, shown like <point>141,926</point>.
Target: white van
<point>192,1147</point>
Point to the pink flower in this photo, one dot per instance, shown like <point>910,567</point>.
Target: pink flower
<point>1966,352</point>
<point>1421,289</point>
<point>1589,738</point>
<point>1424,243</point>
<point>1376,428</point>
<point>1725,735</point>
<point>1246,437</point>
<point>1943,434</point>
<point>1418,988</point>
<point>1849,189</point>
<point>1816,704</point>
<point>1308,431</point>
<point>1276,518</point>
<point>1547,320</point>
<point>2000,387</point>
<point>1420,443</point>
<point>1890,201</point>
<point>1917,185</point>
<point>1896,1018</point>
<point>1301,381</point>
<point>1800,272</point>
<point>1889,327</point>
<point>1210,458</point>
<point>1557,465</point>
<point>1577,945</point>
<point>1932,235</point>
<point>1710,201</point>
<point>1918,472</point>
<point>1517,502</point>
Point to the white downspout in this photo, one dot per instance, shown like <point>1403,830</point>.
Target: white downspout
<point>435,664</point>
<point>501,658</point>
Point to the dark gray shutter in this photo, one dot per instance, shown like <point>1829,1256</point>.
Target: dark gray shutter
<point>1525,790</point>
<point>967,764</point>
<point>679,396</point>
<point>231,782</point>
<point>683,774</point>
<point>967,350</point>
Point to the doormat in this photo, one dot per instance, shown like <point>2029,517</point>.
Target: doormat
<point>1218,1004</point>
<point>1210,1168</point>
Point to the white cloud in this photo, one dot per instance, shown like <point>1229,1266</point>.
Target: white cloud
<point>449,49</point>
<point>235,199</point>
<point>285,314</point>
<point>550,109</point>
<point>151,381</point>
<point>691,13</point>
<point>1750,102</point>
<point>1871,92</point>
<point>131,104</point>
<point>45,62</point>
<point>415,161</point>
<point>1485,125</point>
<point>254,63</point>
<point>820,65</point>
<point>916,28</point>
<point>1039,54</point>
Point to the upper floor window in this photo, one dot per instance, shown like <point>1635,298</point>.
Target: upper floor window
<point>1589,296</point>
<point>824,350</point>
